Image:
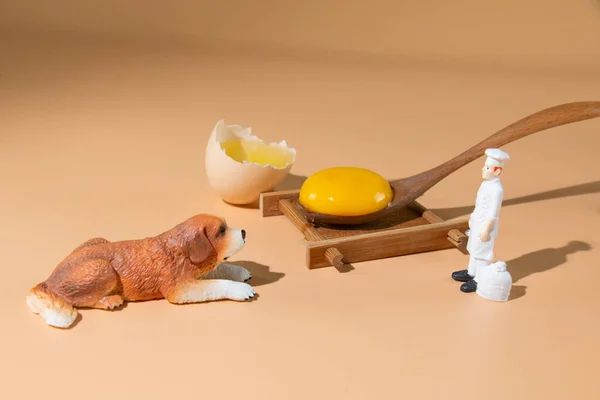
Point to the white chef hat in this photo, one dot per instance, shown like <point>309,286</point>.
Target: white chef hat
<point>496,157</point>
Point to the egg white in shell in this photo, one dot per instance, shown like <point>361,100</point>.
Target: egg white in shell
<point>242,181</point>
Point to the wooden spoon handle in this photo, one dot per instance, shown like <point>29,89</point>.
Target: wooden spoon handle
<point>542,120</point>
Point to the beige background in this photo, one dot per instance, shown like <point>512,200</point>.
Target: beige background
<point>105,110</point>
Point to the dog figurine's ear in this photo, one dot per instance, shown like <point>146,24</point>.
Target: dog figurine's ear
<point>200,248</point>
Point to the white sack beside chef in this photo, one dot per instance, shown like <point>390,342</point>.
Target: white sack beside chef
<point>494,282</point>
<point>484,220</point>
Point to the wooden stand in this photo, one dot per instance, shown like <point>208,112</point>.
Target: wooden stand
<point>413,229</point>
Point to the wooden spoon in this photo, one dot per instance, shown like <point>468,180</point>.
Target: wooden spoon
<point>409,189</point>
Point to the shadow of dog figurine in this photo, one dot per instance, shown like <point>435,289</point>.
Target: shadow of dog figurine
<point>261,274</point>
<point>101,274</point>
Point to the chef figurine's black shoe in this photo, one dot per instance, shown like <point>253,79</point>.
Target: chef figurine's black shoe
<point>462,276</point>
<point>469,287</point>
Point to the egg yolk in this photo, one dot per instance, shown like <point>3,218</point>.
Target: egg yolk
<point>345,191</point>
<point>257,152</point>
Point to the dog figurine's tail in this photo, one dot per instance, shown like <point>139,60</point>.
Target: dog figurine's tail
<point>55,310</point>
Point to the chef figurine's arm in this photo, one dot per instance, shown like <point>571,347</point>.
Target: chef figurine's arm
<point>492,218</point>
<point>484,236</point>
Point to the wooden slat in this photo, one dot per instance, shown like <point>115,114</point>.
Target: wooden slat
<point>299,221</point>
<point>429,215</point>
<point>325,249</point>
<point>377,245</point>
<point>332,255</point>
<point>458,239</point>
<point>269,201</point>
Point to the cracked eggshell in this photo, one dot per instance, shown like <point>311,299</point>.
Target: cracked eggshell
<point>239,181</point>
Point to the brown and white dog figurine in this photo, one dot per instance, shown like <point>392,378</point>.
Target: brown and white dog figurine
<point>182,265</point>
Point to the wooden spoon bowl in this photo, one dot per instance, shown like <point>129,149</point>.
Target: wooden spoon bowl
<point>406,190</point>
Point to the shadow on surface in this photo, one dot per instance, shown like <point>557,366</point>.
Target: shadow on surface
<point>255,205</point>
<point>517,292</point>
<point>261,274</point>
<point>291,182</point>
<point>345,268</point>
<point>576,190</point>
<point>543,260</point>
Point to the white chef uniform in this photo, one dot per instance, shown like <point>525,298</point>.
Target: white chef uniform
<point>487,208</point>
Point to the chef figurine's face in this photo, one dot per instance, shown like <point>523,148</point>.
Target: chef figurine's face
<point>489,172</point>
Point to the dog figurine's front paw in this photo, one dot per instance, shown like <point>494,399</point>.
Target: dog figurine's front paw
<point>240,291</point>
<point>244,275</point>
<point>235,272</point>
<point>230,272</point>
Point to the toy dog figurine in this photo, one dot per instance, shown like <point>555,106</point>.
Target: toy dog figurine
<point>101,274</point>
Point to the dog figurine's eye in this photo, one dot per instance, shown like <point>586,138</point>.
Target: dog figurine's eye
<point>222,230</point>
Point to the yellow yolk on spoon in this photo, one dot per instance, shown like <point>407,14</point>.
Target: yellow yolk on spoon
<point>345,191</point>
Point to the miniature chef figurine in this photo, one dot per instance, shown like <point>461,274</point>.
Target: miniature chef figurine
<point>494,282</point>
<point>483,222</point>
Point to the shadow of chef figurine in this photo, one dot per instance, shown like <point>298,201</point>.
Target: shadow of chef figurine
<point>483,222</point>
